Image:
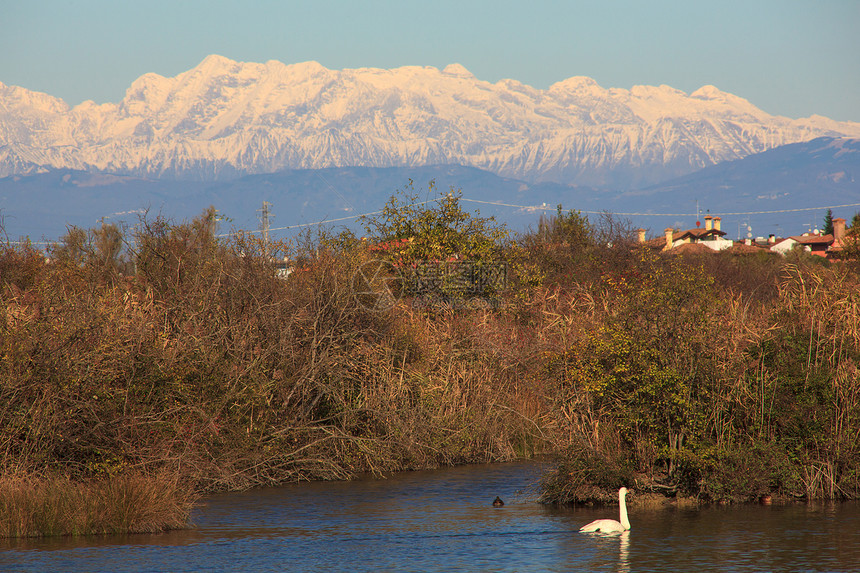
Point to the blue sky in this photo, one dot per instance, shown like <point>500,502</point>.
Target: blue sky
<point>789,57</point>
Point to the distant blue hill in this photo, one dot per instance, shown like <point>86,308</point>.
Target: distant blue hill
<point>42,206</point>
<point>791,179</point>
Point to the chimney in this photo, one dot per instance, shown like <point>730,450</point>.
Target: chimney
<point>669,232</point>
<point>708,220</point>
<point>838,229</point>
<point>771,239</point>
<point>717,223</point>
<point>641,234</point>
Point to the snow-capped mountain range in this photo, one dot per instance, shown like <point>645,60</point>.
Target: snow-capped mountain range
<point>224,119</point>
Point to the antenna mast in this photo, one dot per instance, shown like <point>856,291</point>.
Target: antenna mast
<point>265,215</point>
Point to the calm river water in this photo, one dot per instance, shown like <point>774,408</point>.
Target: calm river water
<point>444,521</point>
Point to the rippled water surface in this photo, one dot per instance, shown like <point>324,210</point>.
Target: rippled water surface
<point>444,521</point>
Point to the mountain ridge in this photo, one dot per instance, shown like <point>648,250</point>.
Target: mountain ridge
<point>785,190</point>
<point>224,119</point>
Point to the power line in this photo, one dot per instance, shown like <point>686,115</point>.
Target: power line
<point>28,243</point>
<point>544,208</point>
<point>300,225</point>
<point>335,191</point>
<point>324,221</point>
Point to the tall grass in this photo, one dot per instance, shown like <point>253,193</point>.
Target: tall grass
<point>37,507</point>
<point>712,377</point>
<point>203,363</point>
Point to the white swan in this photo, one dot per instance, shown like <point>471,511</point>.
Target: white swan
<point>610,525</point>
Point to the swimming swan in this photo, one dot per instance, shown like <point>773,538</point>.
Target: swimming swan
<point>610,525</point>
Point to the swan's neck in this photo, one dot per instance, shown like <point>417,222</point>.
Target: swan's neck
<point>623,511</point>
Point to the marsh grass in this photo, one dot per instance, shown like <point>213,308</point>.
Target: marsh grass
<point>712,378</point>
<point>35,507</point>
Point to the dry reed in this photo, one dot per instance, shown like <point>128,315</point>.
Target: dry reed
<point>36,507</point>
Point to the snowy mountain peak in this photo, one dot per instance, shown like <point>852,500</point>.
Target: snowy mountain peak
<point>17,99</point>
<point>708,92</point>
<point>457,70</point>
<point>214,64</point>
<point>576,84</point>
<point>224,118</point>
<point>711,93</point>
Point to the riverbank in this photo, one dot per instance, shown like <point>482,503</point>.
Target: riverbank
<point>39,507</point>
<point>444,520</point>
<point>716,375</point>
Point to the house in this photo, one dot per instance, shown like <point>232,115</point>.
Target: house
<point>814,243</point>
<point>283,269</point>
<point>711,237</point>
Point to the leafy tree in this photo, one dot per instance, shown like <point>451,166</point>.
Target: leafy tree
<point>561,248</point>
<point>100,249</point>
<point>172,256</point>
<point>851,241</point>
<point>828,223</point>
<point>434,230</point>
<point>73,246</point>
<point>444,250</point>
<point>643,366</point>
<point>571,229</point>
<point>107,242</point>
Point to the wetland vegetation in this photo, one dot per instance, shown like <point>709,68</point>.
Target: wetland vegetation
<point>162,361</point>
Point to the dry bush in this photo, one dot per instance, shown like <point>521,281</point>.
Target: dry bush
<point>204,364</point>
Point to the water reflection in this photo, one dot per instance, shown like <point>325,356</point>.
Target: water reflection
<point>624,552</point>
<point>445,521</point>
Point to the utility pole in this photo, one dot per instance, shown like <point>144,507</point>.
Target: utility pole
<point>265,215</point>
<point>212,224</point>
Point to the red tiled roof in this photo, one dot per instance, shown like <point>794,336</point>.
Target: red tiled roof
<point>655,243</point>
<point>692,249</point>
<point>742,249</point>
<point>814,239</point>
<point>697,234</point>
